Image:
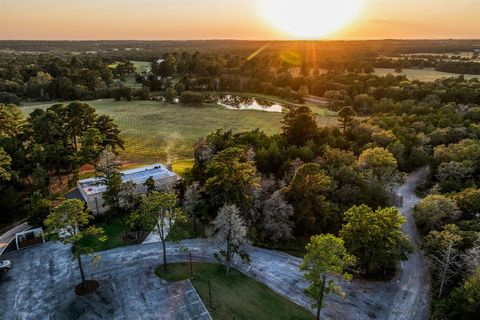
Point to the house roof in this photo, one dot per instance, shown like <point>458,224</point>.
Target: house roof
<point>138,176</point>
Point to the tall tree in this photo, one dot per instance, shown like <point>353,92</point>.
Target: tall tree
<point>379,166</point>
<point>159,209</point>
<point>375,237</point>
<point>326,258</point>
<point>79,116</point>
<point>150,184</point>
<point>39,209</point>
<point>91,146</point>
<point>307,193</point>
<point>191,202</point>
<point>464,300</point>
<point>435,211</point>
<point>5,161</point>
<point>276,223</point>
<point>110,131</point>
<point>299,125</point>
<point>70,221</point>
<point>11,121</point>
<point>346,117</point>
<point>231,178</point>
<point>230,236</point>
<point>442,251</point>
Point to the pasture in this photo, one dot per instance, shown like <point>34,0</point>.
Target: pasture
<point>425,75</point>
<point>159,131</point>
<point>141,66</point>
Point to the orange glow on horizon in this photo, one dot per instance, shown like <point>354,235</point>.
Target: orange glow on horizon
<point>233,19</point>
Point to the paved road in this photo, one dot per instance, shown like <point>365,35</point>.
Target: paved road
<point>46,273</point>
<point>9,236</point>
<point>412,300</point>
<point>317,100</point>
<point>41,283</point>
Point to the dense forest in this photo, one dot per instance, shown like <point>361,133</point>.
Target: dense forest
<point>306,180</point>
<point>63,76</point>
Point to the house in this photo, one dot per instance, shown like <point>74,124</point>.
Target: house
<point>91,190</point>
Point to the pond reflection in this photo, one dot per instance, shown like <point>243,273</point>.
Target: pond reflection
<point>233,102</point>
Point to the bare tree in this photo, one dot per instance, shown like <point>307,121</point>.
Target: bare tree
<point>276,222</point>
<point>108,164</point>
<point>230,236</point>
<point>445,265</point>
<point>471,258</point>
<point>191,201</point>
<point>260,194</point>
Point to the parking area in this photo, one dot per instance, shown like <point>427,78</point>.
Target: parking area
<point>41,283</point>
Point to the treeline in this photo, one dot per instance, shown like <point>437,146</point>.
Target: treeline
<point>49,146</point>
<point>63,77</point>
<point>460,65</point>
<point>157,47</point>
<point>370,94</point>
<point>449,221</point>
<point>347,82</point>
<point>305,181</point>
<point>51,77</point>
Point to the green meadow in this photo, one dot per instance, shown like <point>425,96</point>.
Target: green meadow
<point>159,131</point>
<point>426,75</point>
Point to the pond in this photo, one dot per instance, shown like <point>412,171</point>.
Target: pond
<point>233,102</point>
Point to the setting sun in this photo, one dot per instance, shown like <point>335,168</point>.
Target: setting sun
<point>309,19</point>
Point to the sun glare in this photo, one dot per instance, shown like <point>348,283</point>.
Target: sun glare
<point>309,19</point>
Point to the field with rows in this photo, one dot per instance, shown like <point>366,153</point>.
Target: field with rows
<point>159,131</point>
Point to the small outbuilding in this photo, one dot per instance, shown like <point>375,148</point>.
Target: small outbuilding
<point>29,238</point>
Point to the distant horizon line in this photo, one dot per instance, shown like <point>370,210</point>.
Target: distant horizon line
<point>261,40</point>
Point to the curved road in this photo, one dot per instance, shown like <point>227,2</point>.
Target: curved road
<point>42,279</point>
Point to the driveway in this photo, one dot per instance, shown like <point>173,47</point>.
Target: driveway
<point>42,280</point>
<point>41,283</point>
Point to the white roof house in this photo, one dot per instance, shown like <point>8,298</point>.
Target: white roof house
<point>92,189</point>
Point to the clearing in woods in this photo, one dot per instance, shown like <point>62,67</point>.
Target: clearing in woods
<point>159,131</point>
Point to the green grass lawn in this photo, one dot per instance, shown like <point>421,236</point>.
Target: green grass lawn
<point>113,230</point>
<point>141,66</point>
<point>158,131</point>
<point>234,295</point>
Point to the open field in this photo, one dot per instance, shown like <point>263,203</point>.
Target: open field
<point>425,75</point>
<point>159,131</point>
<point>234,295</point>
<point>141,66</point>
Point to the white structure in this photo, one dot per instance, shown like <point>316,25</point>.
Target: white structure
<point>93,188</point>
<point>29,238</point>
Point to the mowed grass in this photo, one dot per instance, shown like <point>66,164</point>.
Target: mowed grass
<point>114,232</point>
<point>141,66</point>
<point>159,131</point>
<point>426,75</point>
<point>234,295</point>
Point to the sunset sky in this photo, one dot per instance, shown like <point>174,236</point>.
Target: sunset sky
<point>233,19</point>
